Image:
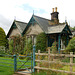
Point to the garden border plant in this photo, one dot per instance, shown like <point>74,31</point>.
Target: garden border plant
<point>71,45</point>
<point>41,42</point>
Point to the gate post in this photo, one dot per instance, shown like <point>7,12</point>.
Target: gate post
<point>33,58</point>
<point>31,62</point>
<point>15,63</point>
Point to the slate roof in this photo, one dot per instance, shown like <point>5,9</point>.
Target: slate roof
<point>44,23</point>
<point>47,27</point>
<point>20,25</point>
<point>56,28</point>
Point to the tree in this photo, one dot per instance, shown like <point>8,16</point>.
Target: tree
<point>71,45</point>
<point>41,42</point>
<point>3,40</point>
<point>72,28</point>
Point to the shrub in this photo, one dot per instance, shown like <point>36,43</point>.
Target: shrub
<point>2,50</point>
<point>28,46</point>
<point>16,44</point>
<point>3,40</point>
<point>11,46</point>
<point>41,42</point>
<point>20,45</point>
<point>71,45</point>
<point>54,47</point>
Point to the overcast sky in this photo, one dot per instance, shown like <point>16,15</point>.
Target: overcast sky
<point>22,10</point>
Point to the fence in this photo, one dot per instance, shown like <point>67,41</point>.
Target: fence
<point>71,64</point>
<point>8,61</point>
<point>49,61</point>
<point>17,64</point>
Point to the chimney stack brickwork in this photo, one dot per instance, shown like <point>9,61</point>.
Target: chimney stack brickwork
<point>54,16</point>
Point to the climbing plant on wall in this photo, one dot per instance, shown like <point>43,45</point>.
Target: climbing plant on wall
<point>20,45</point>
<point>16,44</point>
<point>28,46</point>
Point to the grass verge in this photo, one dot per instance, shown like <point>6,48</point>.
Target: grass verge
<point>8,62</point>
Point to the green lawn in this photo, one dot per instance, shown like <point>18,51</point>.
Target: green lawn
<point>45,72</point>
<point>8,70</point>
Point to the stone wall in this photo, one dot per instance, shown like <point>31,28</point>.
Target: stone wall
<point>14,32</point>
<point>34,30</point>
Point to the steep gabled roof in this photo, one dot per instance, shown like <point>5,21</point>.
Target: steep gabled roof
<point>44,23</point>
<point>48,28</point>
<point>20,25</point>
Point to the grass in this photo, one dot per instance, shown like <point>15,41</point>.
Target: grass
<point>8,70</point>
<point>45,72</point>
<point>56,66</point>
<point>41,73</point>
<point>67,68</point>
<point>68,60</point>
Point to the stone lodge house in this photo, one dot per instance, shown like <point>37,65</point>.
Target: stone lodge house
<point>54,30</point>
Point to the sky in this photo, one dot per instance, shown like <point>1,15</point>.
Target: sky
<point>22,10</point>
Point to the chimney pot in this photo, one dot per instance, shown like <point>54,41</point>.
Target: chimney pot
<point>55,9</point>
<point>54,15</point>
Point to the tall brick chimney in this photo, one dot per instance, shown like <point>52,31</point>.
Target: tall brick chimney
<point>54,15</point>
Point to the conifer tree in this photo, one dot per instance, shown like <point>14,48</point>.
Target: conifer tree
<point>3,40</point>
